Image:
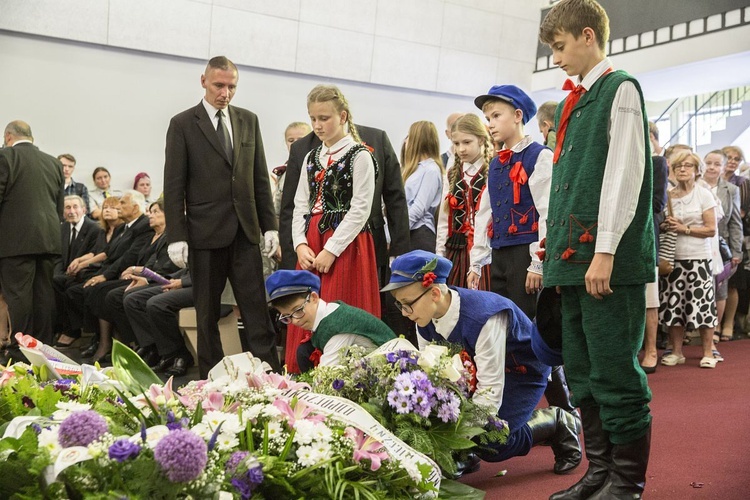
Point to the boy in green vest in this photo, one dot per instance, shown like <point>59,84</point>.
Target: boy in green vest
<point>599,249</point>
<point>330,327</point>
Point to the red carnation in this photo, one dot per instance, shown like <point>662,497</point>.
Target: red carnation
<point>428,279</point>
<point>315,356</point>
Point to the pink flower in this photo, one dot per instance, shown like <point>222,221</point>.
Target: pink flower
<point>275,380</point>
<point>366,447</point>
<point>8,373</point>
<point>300,412</point>
<point>159,395</point>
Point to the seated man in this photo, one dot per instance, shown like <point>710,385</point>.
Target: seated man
<point>497,335</point>
<point>334,326</point>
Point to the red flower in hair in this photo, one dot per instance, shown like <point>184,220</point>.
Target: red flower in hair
<point>428,279</point>
<point>315,356</point>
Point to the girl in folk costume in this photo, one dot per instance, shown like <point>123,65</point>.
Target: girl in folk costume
<point>331,208</point>
<point>466,180</point>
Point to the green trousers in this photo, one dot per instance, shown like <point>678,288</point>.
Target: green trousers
<point>601,340</point>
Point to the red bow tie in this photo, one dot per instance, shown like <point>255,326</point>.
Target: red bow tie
<point>572,87</point>
<point>504,156</point>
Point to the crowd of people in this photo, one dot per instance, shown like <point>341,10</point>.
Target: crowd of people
<point>452,246</point>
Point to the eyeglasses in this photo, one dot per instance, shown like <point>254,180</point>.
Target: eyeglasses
<point>406,306</point>
<point>734,158</point>
<point>297,313</point>
<point>685,166</point>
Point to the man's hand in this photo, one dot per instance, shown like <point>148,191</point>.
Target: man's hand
<point>95,281</point>
<point>533,282</point>
<point>472,280</point>
<point>323,261</point>
<point>597,277</point>
<point>271,239</point>
<point>305,256</point>
<point>178,253</point>
<point>172,285</point>
<point>136,281</point>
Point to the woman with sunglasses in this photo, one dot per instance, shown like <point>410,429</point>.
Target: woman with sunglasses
<point>334,326</point>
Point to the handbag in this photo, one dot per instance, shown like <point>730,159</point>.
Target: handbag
<point>724,250</point>
<point>667,245</point>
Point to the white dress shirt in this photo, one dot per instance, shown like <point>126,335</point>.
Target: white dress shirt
<point>215,119</point>
<point>489,357</point>
<point>539,184</point>
<point>331,350</point>
<point>363,190</point>
<point>470,170</point>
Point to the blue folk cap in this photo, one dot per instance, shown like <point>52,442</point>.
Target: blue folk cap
<point>412,267</point>
<point>513,96</point>
<point>286,282</point>
<point>546,336</point>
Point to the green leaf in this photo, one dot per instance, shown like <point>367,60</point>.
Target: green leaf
<point>454,489</point>
<point>131,371</point>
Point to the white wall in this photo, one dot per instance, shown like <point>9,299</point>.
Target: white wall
<point>112,107</point>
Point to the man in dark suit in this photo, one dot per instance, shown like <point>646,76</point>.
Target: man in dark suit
<point>389,189</point>
<point>31,195</point>
<point>218,204</point>
<point>79,235</point>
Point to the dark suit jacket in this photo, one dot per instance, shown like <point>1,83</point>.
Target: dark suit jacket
<point>659,198</point>
<point>207,196</point>
<point>389,187</point>
<point>84,243</point>
<point>31,197</point>
<point>125,247</point>
<point>158,258</point>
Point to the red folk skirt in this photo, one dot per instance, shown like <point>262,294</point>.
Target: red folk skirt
<point>353,279</point>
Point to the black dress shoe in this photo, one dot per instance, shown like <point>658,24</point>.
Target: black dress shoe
<point>12,355</point>
<point>105,360</point>
<point>180,366</point>
<point>91,349</point>
<point>164,363</point>
<point>149,355</point>
<point>470,464</point>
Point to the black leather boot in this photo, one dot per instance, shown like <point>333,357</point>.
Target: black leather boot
<point>627,476</point>
<point>557,428</point>
<point>599,453</point>
<point>557,394</point>
<point>466,466</point>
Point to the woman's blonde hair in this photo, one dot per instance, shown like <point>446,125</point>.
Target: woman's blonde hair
<point>332,94</point>
<point>681,155</point>
<point>113,201</point>
<point>423,142</point>
<point>472,125</point>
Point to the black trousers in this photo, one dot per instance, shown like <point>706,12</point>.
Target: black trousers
<point>154,316</point>
<point>508,278</point>
<point>61,282</point>
<point>26,281</point>
<point>241,263</point>
<point>114,312</point>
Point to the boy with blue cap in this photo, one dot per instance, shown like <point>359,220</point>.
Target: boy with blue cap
<point>515,212</point>
<point>497,336</point>
<point>329,327</point>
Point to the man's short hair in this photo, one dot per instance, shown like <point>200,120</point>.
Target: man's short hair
<point>572,16</point>
<point>135,197</point>
<point>222,63</point>
<point>68,157</point>
<point>546,112</point>
<point>17,128</point>
<point>77,198</point>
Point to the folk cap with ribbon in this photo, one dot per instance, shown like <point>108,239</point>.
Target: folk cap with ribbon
<point>513,96</point>
<point>418,266</point>
<point>286,282</point>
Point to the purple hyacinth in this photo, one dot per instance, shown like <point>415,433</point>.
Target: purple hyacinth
<point>182,455</point>
<point>123,449</point>
<point>81,428</point>
<point>235,460</point>
<point>246,481</point>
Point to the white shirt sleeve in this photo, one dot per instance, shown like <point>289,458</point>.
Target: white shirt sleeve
<point>539,185</point>
<point>481,252</point>
<point>490,362</point>
<point>441,235</point>
<point>301,207</point>
<point>363,190</point>
<point>624,169</point>
<point>331,351</point>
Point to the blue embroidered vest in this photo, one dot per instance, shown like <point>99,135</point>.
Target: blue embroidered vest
<point>476,308</point>
<point>513,223</point>
<point>335,182</point>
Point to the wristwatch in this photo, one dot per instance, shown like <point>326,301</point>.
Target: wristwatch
<point>687,230</point>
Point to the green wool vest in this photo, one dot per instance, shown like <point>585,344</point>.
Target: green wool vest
<point>576,191</point>
<point>348,319</point>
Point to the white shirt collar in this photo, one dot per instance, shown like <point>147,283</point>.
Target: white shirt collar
<point>79,225</point>
<point>324,309</point>
<point>341,143</point>
<point>596,73</point>
<point>212,111</point>
<point>471,169</point>
<point>21,141</point>
<point>521,145</point>
<point>445,325</point>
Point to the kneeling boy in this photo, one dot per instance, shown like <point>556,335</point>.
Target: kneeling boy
<point>497,336</point>
<point>332,326</point>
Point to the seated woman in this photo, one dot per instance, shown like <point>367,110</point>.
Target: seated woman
<point>142,184</point>
<point>333,326</point>
<point>103,190</point>
<point>687,293</point>
<point>423,172</point>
